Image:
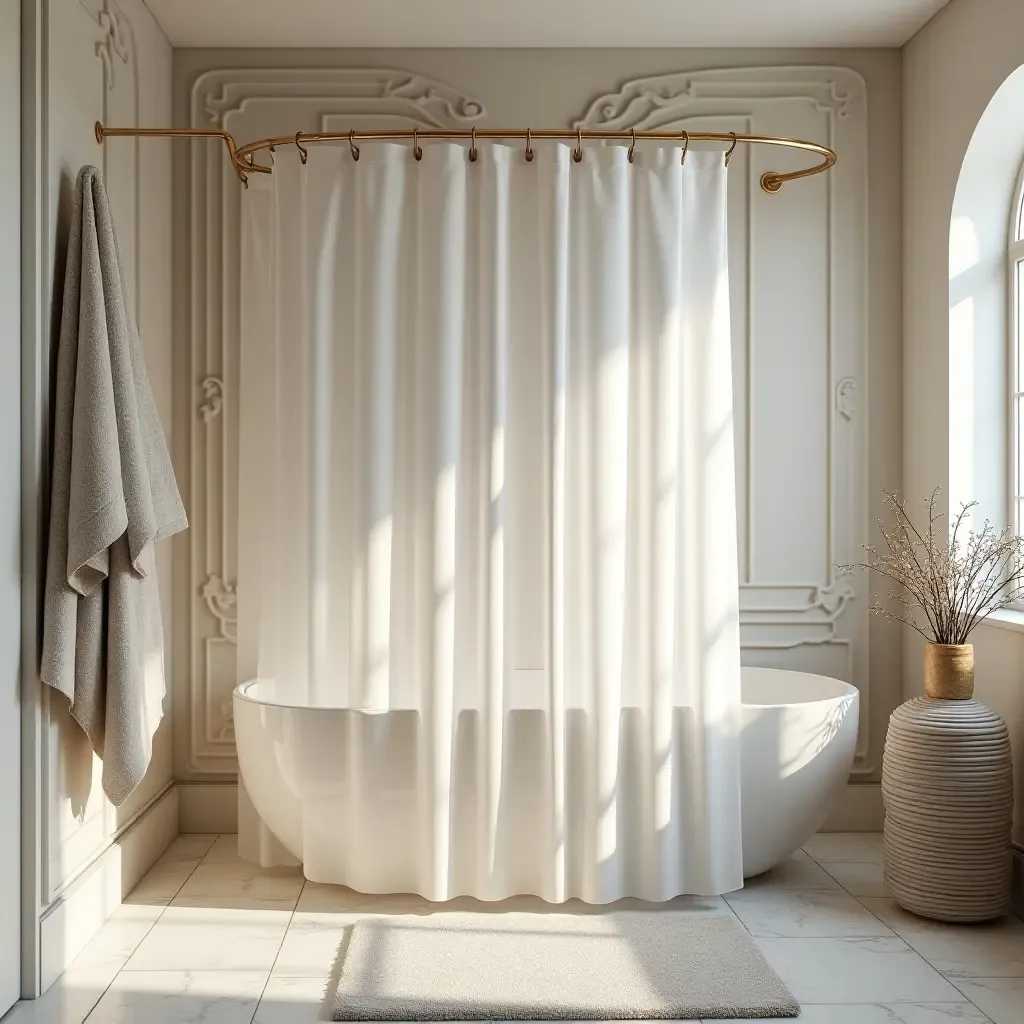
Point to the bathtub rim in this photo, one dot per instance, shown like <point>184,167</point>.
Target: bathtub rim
<point>845,692</point>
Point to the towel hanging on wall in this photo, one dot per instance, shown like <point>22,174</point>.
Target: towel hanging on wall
<point>113,494</point>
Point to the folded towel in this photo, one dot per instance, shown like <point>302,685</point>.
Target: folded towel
<point>113,495</point>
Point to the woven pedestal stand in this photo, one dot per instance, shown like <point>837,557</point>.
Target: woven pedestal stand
<point>947,784</point>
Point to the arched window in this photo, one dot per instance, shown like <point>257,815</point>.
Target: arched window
<point>1016,323</point>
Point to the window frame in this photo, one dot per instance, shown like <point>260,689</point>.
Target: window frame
<point>1015,325</point>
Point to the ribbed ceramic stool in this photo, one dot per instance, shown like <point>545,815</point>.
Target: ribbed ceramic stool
<point>947,784</point>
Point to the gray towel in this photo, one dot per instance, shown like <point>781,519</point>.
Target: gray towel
<point>113,495</point>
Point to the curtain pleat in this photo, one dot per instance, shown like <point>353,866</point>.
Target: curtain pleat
<point>488,514</point>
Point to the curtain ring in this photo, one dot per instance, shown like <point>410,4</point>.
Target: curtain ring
<point>271,150</point>
<point>632,144</point>
<point>417,150</point>
<point>352,144</point>
<point>529,147</point>
<point>303,155</point>
<point>577,153</point>
<point>472,147</point>
<point>728,152</point>
<point>686,146</point>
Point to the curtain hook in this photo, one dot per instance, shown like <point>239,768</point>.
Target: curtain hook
<point>686,146</point>
<point>577,153</point>
<point>529,147</point>
<point>632,144</point>
<point>352,144</point>
<point>303,155</point>
<point>271,150</point>
<point>472,147</point>
<point>728,153</point>
<point>417,150</point>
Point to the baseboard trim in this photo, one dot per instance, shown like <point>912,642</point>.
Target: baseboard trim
<point>208,806</point>
<point>858,809</point>
<point>85,902</point>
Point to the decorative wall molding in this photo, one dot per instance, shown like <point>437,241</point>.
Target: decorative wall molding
<point>656,102</point>
<point>823,624</point>
<point>117,41</point>
<point>789,615</point>
<point>213,393</point>
<point>249,102</point>
<point>348,91</point>
<point>116,46</point>
<point>846,397</point>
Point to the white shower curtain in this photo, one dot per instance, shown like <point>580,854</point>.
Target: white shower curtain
<point>487,478</point>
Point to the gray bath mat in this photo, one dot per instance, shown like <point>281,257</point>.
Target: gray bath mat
<point>517,966</point>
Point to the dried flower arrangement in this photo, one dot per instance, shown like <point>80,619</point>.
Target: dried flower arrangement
<point>946,584</point>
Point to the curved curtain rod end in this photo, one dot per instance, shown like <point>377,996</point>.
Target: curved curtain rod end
<point>98,131</point>
<point>771,182</point>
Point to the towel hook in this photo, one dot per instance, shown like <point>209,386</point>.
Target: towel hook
<point>728,152</point>
<point>529,147</point>
<point>632,144</point>
<point>417,150</point>
<point>577,153</point>
<point>686,146</point>
<point>472,147</point>
<point>303,155</point>
<point>352,144</point>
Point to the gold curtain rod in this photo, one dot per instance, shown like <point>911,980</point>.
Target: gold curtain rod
<point>244,162</point>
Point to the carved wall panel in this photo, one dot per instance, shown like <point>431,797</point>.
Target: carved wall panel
<point>798,353</point>
<point>799,347</point>
<point>252,104</point>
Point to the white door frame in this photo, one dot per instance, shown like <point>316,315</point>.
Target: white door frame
<point>35,377</point>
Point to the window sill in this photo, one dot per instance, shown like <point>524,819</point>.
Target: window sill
<point>1006,618</point>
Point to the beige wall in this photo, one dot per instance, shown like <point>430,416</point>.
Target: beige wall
<point>955,337</point>
<point>97,60</point>
<point>551,88</point>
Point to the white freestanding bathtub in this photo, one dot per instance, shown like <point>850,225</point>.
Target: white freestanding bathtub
<point>798,740</point>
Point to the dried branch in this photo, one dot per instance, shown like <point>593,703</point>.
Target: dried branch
<point>944,590</point>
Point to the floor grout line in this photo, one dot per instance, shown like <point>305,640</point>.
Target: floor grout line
<point>145,934</point>
<point>284,937</point>
<point>961,997</point>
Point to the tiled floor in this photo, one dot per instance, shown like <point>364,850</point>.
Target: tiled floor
<point>209,939</point>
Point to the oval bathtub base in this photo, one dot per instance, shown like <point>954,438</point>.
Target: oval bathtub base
<point>797,743</point>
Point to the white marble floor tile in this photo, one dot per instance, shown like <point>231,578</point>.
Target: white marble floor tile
<point>295,1001</point>
<point>846,847</point>
<point>798,871</point>
<point>181,997</point>
<point>163,881</point>
<point>804,913</point>
<point>110,948</point>
<point>198,935</point>
<point>856,971</point>
<point>223,850</point>
<point>319,898</point>
<point>859,878</point>
<point>994,950</point>
<point>311,944</point>
<point>1001,998</point>
<point>189,845</point>
<point>890,1013</point>
<point>239,878</point>
<point>68,1001</point>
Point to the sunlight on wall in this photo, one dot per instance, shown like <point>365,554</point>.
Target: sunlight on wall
<point>964,247</point>
<point>961,403</point>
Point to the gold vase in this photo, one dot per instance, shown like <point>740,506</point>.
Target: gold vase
<point>949,671</point>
